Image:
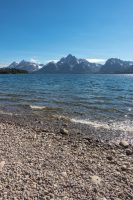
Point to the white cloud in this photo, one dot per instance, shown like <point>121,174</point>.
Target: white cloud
<point>96,60</point>
<point>34,60</point>
<point>3,65</point>
<point>55,61</point>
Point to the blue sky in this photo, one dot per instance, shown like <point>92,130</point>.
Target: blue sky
<point>49,29</point>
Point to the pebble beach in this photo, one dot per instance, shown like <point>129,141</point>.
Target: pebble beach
<point>40,162</point>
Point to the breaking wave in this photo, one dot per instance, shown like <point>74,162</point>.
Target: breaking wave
<point>37,107</point>
<point>124,126</point>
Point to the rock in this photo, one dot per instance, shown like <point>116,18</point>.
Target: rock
<point>95,155</point>
<point>95,190</point>
<point>131,183</point>
<point>109,158</point>
<point>51,195</point>
<point>34,185</point>
<point>2,163</point>
<point>124,143</point>
<point>129,152</point>
<point>96,180</point>
<point>117,173</point>
<point>64,125</point>
<point>64,174</point>
<point>35,136</point>
<point>86,138</point>
<point>64,131</point>
<point>113,151</point>
<point>124,168</point>
<point>117,199</point>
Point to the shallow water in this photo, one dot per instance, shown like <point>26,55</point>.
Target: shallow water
<point>99,100</point>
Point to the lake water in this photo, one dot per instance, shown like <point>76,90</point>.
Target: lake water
<point>97,100</point>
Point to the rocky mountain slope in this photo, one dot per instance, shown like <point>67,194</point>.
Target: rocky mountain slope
<point>70,64</point>
<point>117,66</point>
<point>25,65</point>
<point>73,65</point>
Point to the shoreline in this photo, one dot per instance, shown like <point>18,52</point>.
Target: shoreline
<point>107,134</point>
<point>39,161</point>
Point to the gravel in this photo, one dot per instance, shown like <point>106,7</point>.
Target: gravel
<point>46,164</point>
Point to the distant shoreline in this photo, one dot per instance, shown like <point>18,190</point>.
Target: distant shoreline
<point>27,73</point>
<point>12,71</point>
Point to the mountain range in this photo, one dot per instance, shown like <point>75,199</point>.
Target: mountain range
<point>73,65</point>
<point>26,65</point>
<point>117,66</point>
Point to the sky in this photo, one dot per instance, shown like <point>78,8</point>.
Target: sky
<point>43,30</point>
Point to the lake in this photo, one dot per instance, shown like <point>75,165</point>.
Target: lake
<point>97,100</point>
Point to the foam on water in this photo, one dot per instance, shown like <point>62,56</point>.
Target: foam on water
<point>37,107</point>
<point>125,126</point>
<point>5,113</point>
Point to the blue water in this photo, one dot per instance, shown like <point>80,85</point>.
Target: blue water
<point>83,97</point>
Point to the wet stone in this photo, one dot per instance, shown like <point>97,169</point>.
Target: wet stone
<point>64,131</point>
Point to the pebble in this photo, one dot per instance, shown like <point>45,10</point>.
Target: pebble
<point>96,180</point>
<point>124,168</point>
<point>2,163</point>
<point>61,171</point>
<point>34,185</point>
<point>64,174</point>
<point>109,158</point>
<point>124,143</point>
<point>113,151</point>
<point>64,131</point>
<point>129,152</point>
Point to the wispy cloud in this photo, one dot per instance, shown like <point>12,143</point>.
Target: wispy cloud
<point>91,60</point>
<point>96,60</point>
<point>3,65</point>
<point>55,61</point>
<point>34,60</point>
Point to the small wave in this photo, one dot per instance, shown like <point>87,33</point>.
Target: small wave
<point>61,117</point>
<point>49,109</point>
<point>125,126</point>
<point>37,107</point>
<point>92,123</point>
<point>5,113</point>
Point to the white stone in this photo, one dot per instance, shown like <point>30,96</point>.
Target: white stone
<point>2,163</point>
<point>124,143</point>
<point>96,180</point>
